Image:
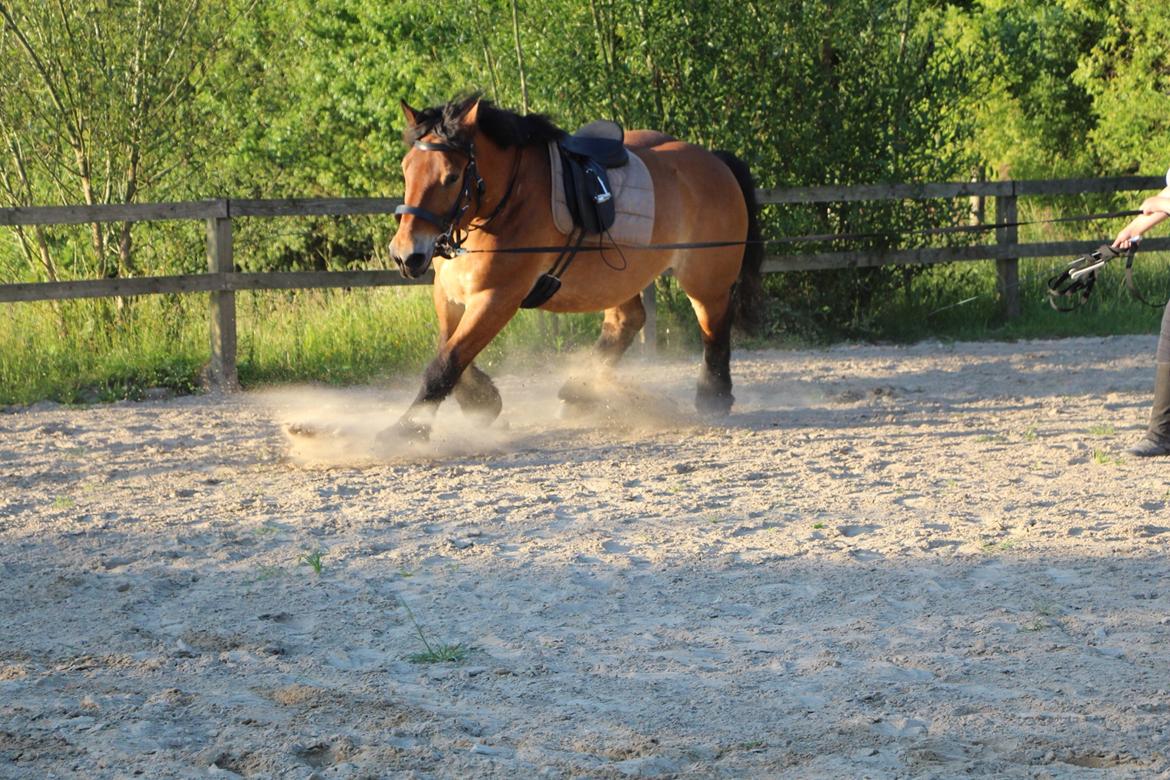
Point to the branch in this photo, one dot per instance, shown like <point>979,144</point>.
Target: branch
<point>38,64</point>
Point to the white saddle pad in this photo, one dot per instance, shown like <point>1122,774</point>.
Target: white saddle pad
<point>633,194</point>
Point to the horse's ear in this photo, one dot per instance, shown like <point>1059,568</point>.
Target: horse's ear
<point>470,114</point>
<point>409,113</point>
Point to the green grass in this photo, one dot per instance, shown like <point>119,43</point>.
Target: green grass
<point>931,307</point>
<point>991,546</point>
<point>434,652</point>
<point>314,560</point>
<point>89,351</point>
<point>1107,458</point>
<point>86,351</point>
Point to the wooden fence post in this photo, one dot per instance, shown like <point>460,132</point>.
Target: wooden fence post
<point>1007,270</point>
<point>222,370</point>
<point>650,329</point>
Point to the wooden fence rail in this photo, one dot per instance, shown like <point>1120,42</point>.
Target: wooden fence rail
<point>222,281</point>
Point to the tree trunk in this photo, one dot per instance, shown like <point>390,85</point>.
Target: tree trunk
<point>520,58</point>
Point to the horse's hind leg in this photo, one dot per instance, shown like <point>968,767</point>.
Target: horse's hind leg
<point>618,330</point>
<point>477,395</point>
<point>621,324</point>
<point>713,395</point>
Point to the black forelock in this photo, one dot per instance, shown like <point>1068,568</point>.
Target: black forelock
<point>505,128</point>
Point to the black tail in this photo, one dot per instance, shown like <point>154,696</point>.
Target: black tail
<point>748,297</point>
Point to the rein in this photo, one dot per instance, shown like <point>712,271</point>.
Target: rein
<point>807,238</point>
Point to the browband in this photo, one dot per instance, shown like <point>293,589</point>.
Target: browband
<point>438,146</point>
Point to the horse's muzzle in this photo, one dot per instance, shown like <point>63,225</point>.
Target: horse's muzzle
<point>413,265</point>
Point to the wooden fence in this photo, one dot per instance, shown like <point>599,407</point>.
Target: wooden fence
<point>221,281</point>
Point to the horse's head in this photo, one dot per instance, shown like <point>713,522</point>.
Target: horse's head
<point>443,185</point>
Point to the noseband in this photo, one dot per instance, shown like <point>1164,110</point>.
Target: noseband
<point>451,236</point>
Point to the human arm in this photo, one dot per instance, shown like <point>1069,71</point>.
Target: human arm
<point>1154,211</point>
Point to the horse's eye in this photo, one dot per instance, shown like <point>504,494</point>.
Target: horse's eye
<point>450,179</point>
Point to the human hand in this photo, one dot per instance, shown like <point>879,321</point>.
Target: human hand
<point>1127,237</point>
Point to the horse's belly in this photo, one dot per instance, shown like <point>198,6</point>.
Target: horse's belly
<point>594,286</point>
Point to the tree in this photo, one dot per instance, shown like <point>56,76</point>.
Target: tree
<point>97,104</point>
<point>1126,71</point>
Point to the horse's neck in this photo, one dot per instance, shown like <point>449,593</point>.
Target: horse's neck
<point>526,217</point>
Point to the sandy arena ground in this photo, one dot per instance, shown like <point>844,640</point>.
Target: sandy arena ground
<point>930,561</point>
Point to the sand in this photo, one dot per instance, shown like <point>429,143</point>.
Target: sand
<point>924,561</point>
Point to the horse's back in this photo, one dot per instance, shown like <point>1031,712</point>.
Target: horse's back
<point>697,197</point>
<point>647,139</point>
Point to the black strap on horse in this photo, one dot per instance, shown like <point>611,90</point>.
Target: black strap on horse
<point>549,282</point>
<point>1076,281</point>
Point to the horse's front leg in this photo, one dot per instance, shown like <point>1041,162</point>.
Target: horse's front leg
<point>483,317</point>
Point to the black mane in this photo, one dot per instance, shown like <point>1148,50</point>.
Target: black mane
<point>504,128</point>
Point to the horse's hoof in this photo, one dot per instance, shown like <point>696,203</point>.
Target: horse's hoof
<point>303,430</point>
<point>714,405</point>
<point>308,430</point>
<point>404,430</point>
<point>572,410</point>
<point>579,393</point>
<point>481,418</point>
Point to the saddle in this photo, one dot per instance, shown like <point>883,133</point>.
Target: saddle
<point>586,203</point>
<point>586,156</point>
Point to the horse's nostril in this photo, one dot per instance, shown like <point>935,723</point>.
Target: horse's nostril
<point>415,259</point>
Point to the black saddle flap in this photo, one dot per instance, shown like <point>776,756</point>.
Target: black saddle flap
<point>587,194</point>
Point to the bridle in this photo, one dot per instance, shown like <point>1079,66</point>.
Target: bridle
<point>451,235</point>
<point>1075,283</point>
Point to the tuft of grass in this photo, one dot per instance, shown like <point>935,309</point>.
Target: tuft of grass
<point>63,502</point>
<point>990,546</point>
<point>1106,458</point>
<point>266,573</point>
<point>1104,429</point>
<point>439,654</point>
<point>314,560</point>
<point>436,653</point>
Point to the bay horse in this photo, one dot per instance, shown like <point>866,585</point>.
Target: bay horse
<point>478,183</point>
